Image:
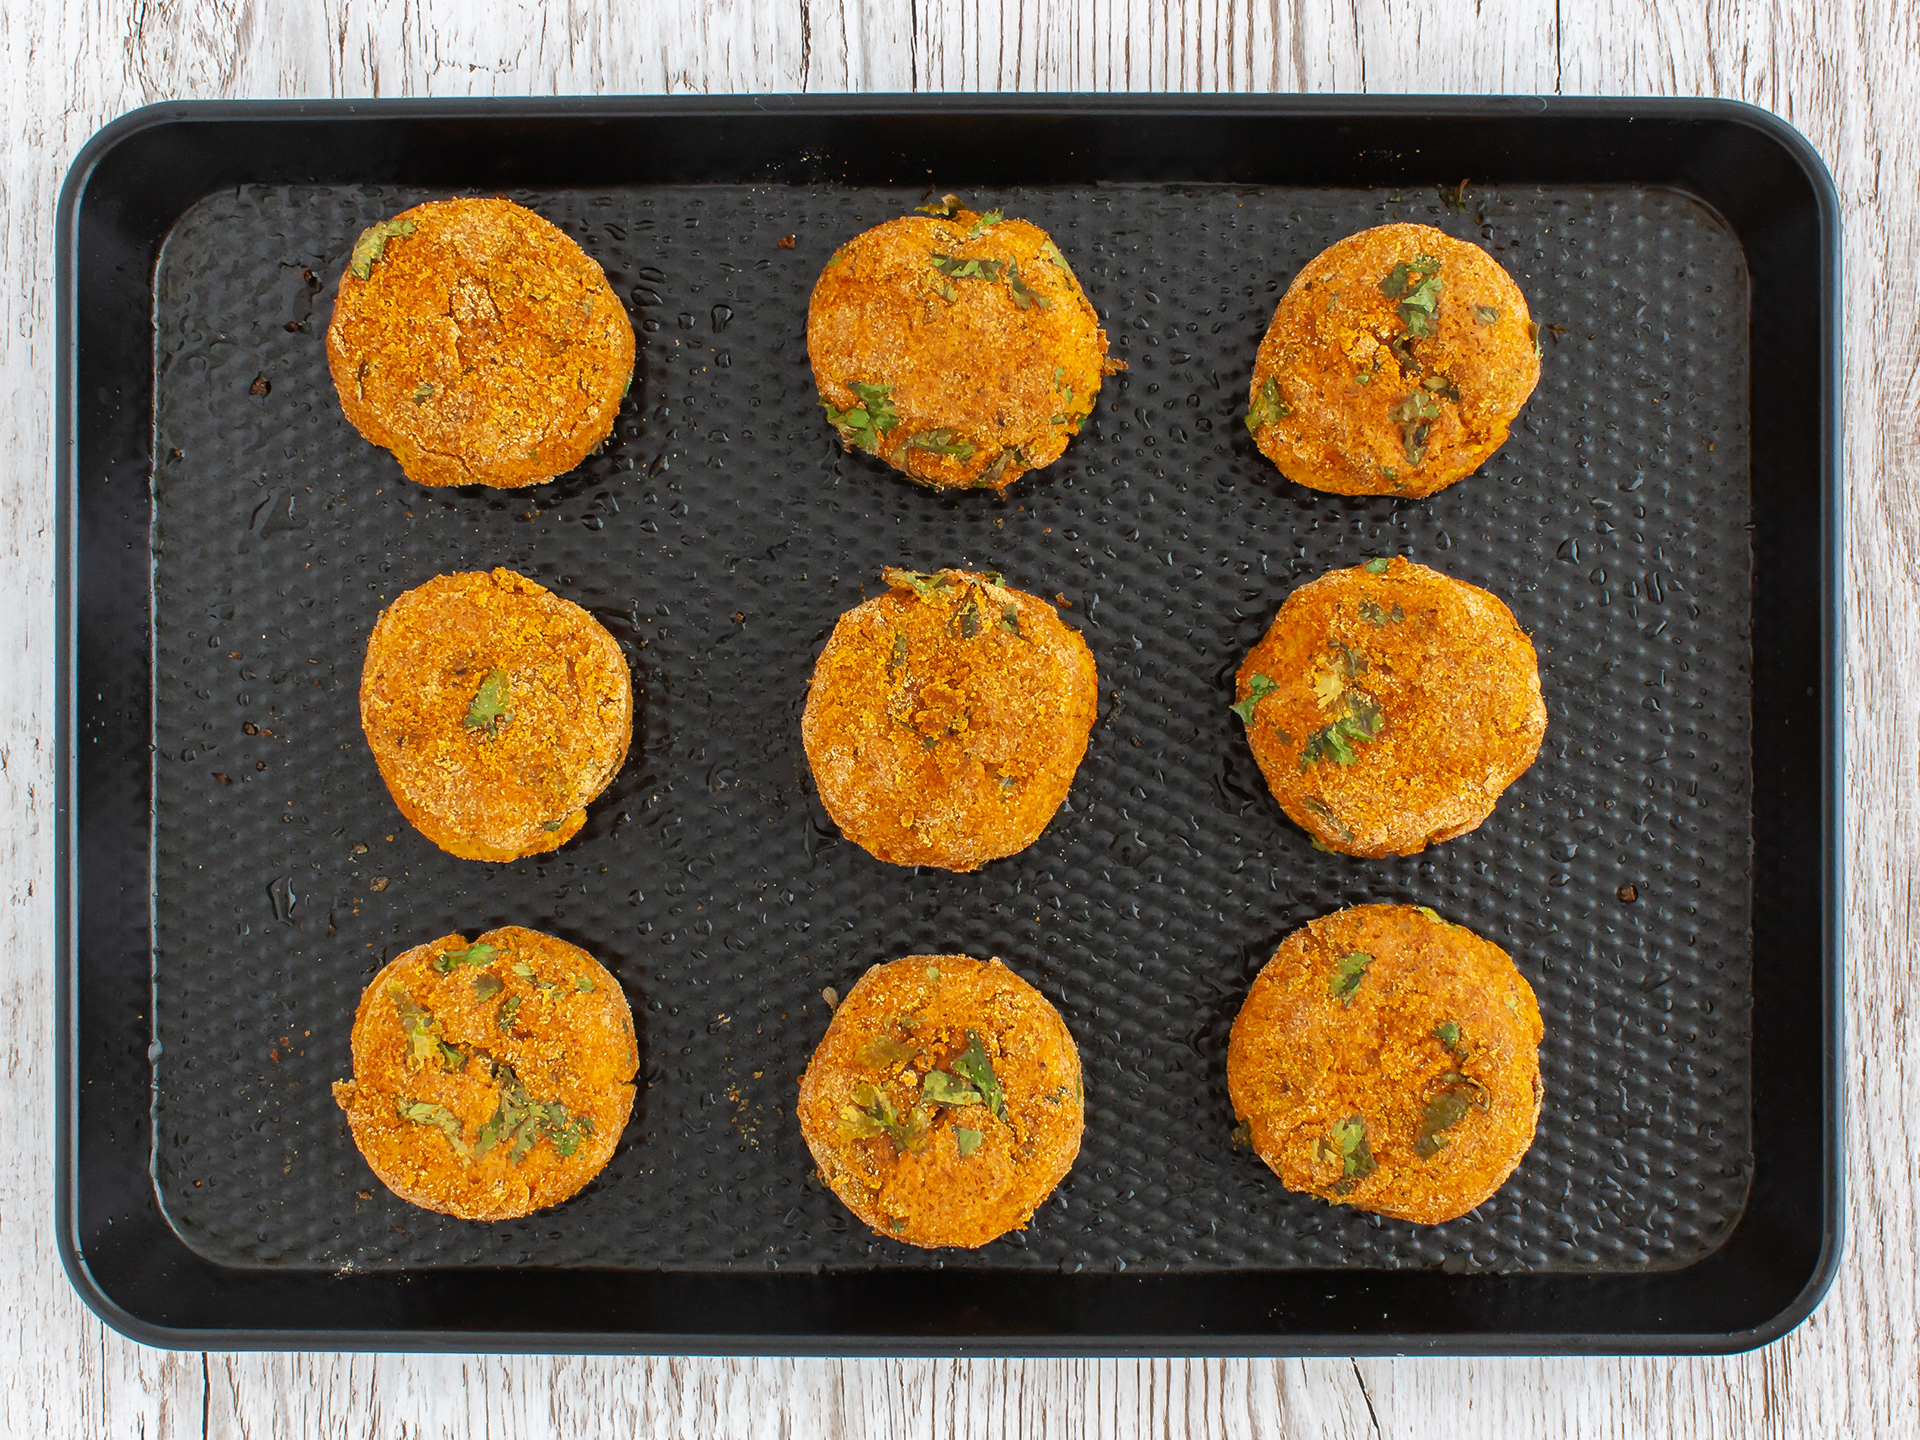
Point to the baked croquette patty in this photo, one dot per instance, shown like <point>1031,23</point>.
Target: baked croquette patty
<point>945,719</point>
<point>1394,365</point>
<point>496,711</point>
<point>477,342</point>
<point>1388,1060</point>
<point>957,348</point>
<point>491,1079</point>
<point>944,1102</point>
<point>1389,706</point>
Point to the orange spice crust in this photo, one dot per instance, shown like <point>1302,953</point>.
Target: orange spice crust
<point>1008,384</point>
<point>483,348</point>
<point>926,1005</point>
<point>563,1044</point>
<point>1301,1064</point>
<point>933,746</point>
<point>1350,435</point>
<point>523,789</point>
<point>1456,685</point>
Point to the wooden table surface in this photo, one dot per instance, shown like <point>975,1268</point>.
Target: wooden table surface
<point>1845,74</point>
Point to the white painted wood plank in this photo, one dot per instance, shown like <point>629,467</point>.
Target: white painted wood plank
<point>1844,73</point>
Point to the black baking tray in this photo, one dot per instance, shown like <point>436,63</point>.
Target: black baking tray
<point>1666,521</point>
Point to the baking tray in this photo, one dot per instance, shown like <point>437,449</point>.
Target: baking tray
<point>1665,521</point>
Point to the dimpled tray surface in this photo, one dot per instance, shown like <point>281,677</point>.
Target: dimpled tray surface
<point>718,536</point>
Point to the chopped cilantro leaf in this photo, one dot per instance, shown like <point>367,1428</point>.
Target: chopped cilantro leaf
<point>976,1065</point>
<point>1347,974</point>
<point>1267,406</point>
<point>1258,688</point>
<point>488,711</point>
<point>372,244</point>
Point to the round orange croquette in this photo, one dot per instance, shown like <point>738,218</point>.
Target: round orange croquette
<point>1389,706</point>
<point>958,348</point>
<point>1388,1060</point>
<point>481,345</point>
<point>496,712</point>
<point>945,1102</point>
<point>946,718</point>
<point>490,1079</point>
<point>1395,364</point>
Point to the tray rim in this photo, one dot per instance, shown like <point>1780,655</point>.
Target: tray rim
<point>1831,629</point>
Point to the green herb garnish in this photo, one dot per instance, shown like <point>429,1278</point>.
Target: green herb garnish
<point>1448,1034</point>
<point>1325,812</point>
<point>1361,721</point>
<point>475,954</point>
<point>1485,315</point>
<point>1372,612</point>
<point>1377,565</point>
<point>942,1089</point>
<point>372,244</point>
<point>927,585</point>
<point>899,656</point>
<point>552,827</point>
<point>1347,974</point>
<point>990,477</point>
<point>966,1141</point>
<point>1010,620</point>
<point>1258,688</point>
<point>941,442</point>
<point>1050,252</point>
<point>863,423</point>
<point>974,1064</point>
<point>1356,1156</point>
<point>423,1112</point>
<point>526,972</point>
<point>1024,295</point>
<point>1417,287</point>
<point>1266,406</point>
<point>1243,1135</point>
<point>1430,913</point>
<point>489,711</point>
<point>583,985</point>
<point>486,985</point>
<point>1415,416</point>
<point>423,393</point>
<point>424,1041</point>
<point>509,1008</point>
<point>992,217</point>
<point>520,1122</point>
<point>1447,1108</point>
<point>956,268</point>
<point>872,1114</point>
<point>946,207</point>
<point>883,1052</point>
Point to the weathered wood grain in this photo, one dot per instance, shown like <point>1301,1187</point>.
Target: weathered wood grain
<point>1842,70</point>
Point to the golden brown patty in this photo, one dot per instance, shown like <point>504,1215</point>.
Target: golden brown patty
<point>478,343</point>
<point>946,718</point>
<point>959,350</point>
<point>1394,365</point>
<point>490,1079</point>
<point>1389,706</point>
<point>945,1102</point>
<point>1390,1061</point>
<point>496,711</point>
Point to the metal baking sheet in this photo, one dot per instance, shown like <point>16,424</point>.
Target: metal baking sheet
<point>718,537</point>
